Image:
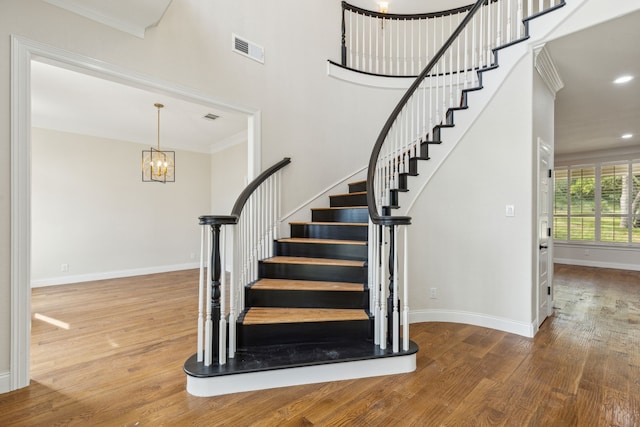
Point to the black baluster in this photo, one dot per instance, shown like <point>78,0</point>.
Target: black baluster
<point>215,283</point>
<point>344,43</point>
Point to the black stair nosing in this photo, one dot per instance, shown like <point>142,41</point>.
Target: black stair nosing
<point>348,251</point>
<point>319,272</point>
<point>303,298</point>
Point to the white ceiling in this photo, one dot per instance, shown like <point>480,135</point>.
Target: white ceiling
<point>70,101</point>
<point>591,113</point>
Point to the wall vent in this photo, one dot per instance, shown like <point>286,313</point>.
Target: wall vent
<point>246,48</point>
<point>211,116</point>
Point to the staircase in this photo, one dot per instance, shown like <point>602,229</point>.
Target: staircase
<point>308,309</point>
<point>306,312</point>
<point>314,287</point>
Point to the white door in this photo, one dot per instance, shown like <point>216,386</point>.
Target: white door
<point>545,202</point>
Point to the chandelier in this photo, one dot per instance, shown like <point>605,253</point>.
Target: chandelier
<point>158,165</point>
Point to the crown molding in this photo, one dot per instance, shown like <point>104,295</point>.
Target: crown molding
<point>547,69</point>
<point>130,17</point>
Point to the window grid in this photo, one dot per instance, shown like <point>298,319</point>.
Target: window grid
<point>597,203</point>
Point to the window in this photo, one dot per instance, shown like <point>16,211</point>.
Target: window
<point>597,203</point>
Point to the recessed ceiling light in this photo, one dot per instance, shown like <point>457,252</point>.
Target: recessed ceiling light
<point>627,136</point>
<point>623,79</point>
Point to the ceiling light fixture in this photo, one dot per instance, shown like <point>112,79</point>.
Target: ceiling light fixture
<point>623,79</point>
<point>383,8</point>
<point>627,136</point>
<point>158,165</point>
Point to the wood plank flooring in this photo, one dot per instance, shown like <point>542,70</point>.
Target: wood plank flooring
<point>119,363</point>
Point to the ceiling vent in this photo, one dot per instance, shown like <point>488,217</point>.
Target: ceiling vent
<point>246,48</point>
<point>211,117</point>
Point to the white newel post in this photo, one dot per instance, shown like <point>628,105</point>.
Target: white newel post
<point>222,329</point>
<point>405,291</point>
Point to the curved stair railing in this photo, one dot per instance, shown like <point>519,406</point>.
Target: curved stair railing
<point>253,225</point>
<point>393,44</point>
<point>402,44</point>
<point>414,124</point>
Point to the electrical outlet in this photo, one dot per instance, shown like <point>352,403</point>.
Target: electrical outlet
<point>64,268</point>
<point>433,293</point>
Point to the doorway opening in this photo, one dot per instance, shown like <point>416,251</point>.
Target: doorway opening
<point>23,53</point>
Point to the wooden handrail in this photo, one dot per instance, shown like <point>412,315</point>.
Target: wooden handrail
<point>243,197</point>
<point>388,220</point>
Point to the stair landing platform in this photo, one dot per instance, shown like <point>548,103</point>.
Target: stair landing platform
<point>275,366</point>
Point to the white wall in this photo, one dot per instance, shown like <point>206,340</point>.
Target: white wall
<point>92,212</point>
<point>228,178</point>
<point>461,242</point>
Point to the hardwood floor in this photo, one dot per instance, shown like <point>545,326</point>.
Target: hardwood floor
<point>119,363</point>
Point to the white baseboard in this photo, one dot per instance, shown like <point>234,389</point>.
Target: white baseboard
<point>65,280</point>
<point>477,319</point>
<point>600,264</point>
<point>226,384</point>
<point>5,382</point>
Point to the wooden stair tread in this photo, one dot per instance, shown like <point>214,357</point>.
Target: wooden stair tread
<point>314,261</point>
<point>322,241</point>
<point>360,224</point>
<point>271,315</point>
<point>358,182</point>
<point>306,285</point>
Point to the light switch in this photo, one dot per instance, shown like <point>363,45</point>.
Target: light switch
<point>510,210</point>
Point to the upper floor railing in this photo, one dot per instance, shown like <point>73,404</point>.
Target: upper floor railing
<point>403,44</point>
